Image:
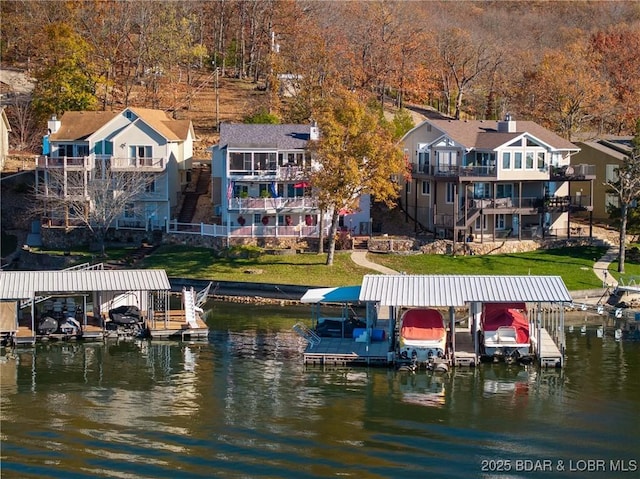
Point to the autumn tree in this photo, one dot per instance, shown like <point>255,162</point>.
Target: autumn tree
<point>65,79</point>
<point>357,155</point>
<point>462,62</point>
<point>565,93</point>
<point>627,188</point>
<point>95,200</point>
<point>619,62</point>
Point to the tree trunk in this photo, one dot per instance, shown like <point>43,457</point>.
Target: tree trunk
<point>623,237</point>
<point>332,236</point>
<point>321,234</point>
<point>458,104</point>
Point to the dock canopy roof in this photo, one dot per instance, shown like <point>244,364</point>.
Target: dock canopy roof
<point>458,290</point>
<point>27,284</point>
<point>343,294</point>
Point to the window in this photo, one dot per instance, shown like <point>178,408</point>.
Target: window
<point>265,161</point>
<point>426,188</point>
<point>504,190</point>
<point>517,160</point>
<point>142,154</point>
<point>506,160</point>
<point>481,190</point>
<point>612,200</point>
<point>529,161</point>
<point>611,173</point>
<point>446,160</point>
<point>481,222</point>
<point>500,222</point>
<point>423,162</point>
<point>541,160</point>
<point>65,150</point>
<point>408,187</point>
<point>450,192</point>
<point>129,210</point>
<point>150,186</point>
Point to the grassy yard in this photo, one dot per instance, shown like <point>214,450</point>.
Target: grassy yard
<point>574,265</point>
<point>304,269</point>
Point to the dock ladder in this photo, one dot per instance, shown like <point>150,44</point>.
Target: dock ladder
<point>305,332</point>
<point>190,307</point>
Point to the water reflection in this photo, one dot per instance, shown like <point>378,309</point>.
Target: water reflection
<point>244,405</point>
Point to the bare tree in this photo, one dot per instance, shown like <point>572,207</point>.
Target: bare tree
<point>23,128</point>
<point>92,198</point>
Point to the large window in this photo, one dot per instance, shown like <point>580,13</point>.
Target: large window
<point>517,160</point>
<point>481,190</point>
<point>529,161</point>
<point>504,190</point>
<point>423,161</point>
<point>506,160</point>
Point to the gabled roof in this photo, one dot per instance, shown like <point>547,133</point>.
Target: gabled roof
<point>172,130</point>
<point>604,149</point>
<point>79,125</point>
<point>280,137</point>
<point>484,134</point>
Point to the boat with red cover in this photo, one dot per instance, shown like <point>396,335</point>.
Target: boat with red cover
<point>423,336</point>
<point>505,330</point>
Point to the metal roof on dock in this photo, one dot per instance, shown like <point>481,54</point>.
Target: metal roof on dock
<point>458,290</point>
<point>26,284</point>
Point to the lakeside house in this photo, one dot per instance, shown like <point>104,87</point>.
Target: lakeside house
<point>261,183</point>
<point>85,145</point>
<point>606,154</point>
<point>493,180</point>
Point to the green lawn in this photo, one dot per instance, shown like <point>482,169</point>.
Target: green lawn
<point>574,265</point>
<point>304,269</point>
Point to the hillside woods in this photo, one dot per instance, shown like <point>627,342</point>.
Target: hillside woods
<point>570,66</point>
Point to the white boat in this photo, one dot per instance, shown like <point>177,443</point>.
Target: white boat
<point>423,335</point>
<point>505,330</point>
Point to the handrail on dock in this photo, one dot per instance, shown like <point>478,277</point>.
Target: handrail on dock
<point>305,332</point>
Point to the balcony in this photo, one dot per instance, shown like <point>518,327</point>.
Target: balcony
<point>573,172</point>
<point>455,171</point>
<point>283,173</point>
<point>273,204</point>
<point>63,162</point>
<point>151,165</point>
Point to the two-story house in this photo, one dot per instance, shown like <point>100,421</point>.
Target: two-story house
<point>85,145</point>
<point>261,183</point>
<point>606,154</point>
<point>483,180</point>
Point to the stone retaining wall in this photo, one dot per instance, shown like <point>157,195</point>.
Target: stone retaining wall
<point>414,246</point>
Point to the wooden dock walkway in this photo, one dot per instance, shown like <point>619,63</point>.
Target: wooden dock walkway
<point>464,354</point>
<point>345,351</point>
<point>548,354</point>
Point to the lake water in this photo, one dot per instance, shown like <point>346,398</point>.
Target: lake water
<point>243,405</point>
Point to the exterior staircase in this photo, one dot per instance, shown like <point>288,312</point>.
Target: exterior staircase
<point>360,243</point>
<point>199,186</point>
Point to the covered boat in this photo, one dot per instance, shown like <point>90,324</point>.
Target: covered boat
<point>423,335</point>
<point>505,330</point>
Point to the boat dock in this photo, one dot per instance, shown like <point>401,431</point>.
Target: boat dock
<point>92,304</point>
<point>548,354</point>
<point>384,297</point>
<point>464,352</point>
<point>346,351</point>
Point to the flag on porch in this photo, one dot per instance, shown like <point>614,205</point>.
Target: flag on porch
<point>230,190</point>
